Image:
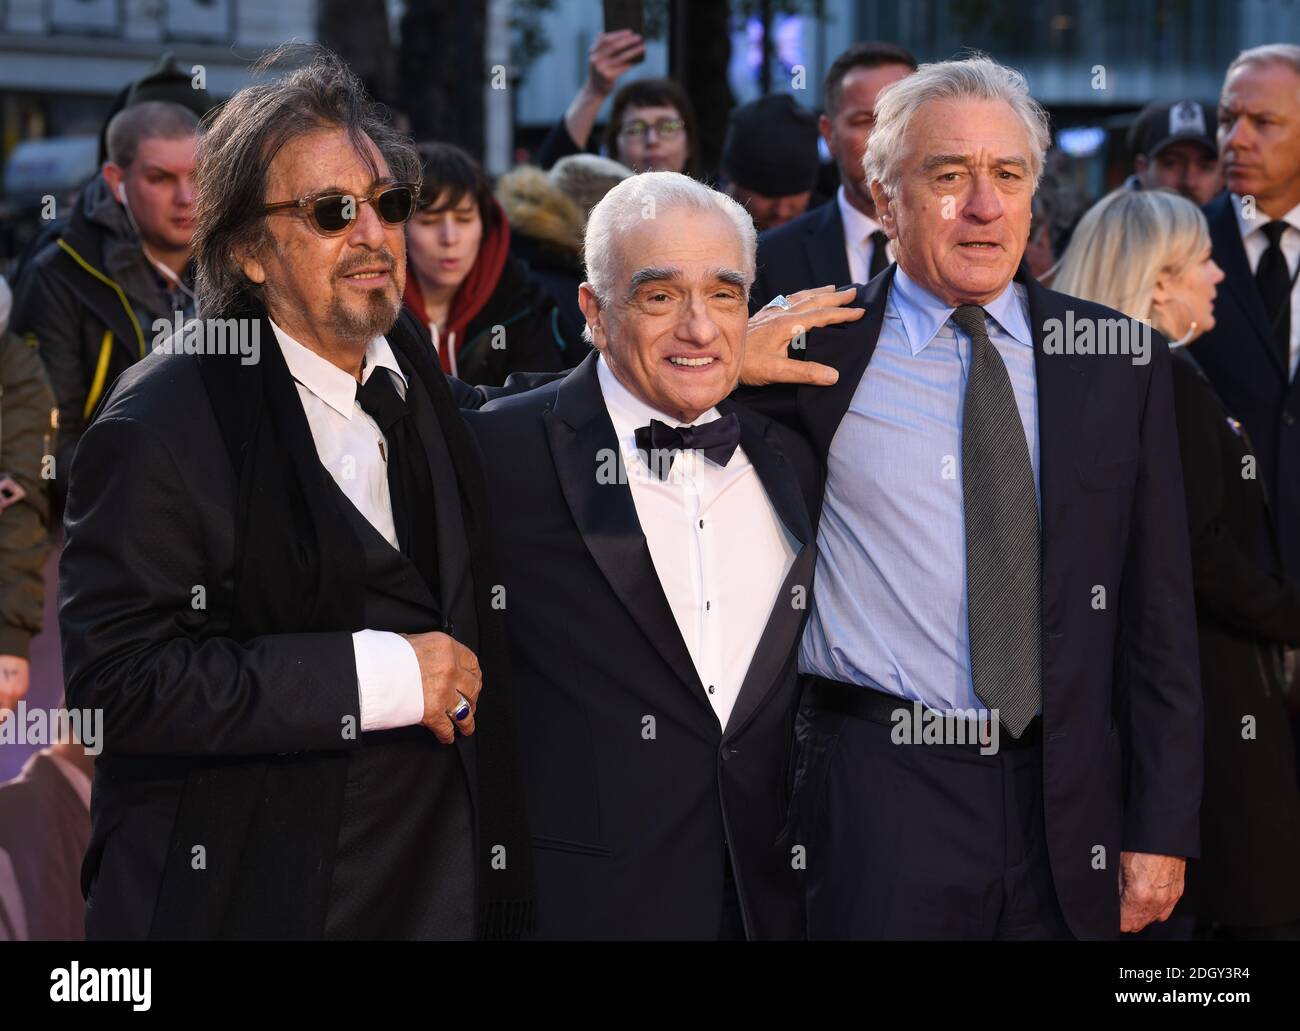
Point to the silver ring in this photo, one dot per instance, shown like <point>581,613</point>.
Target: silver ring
<point>779,301</point>
<point>461,710</point>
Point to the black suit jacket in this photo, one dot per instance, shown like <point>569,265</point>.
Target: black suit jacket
<point>1120,685</point>
<point>804,253</point>
<point>1240,358</point>
<point>629,832</point>
<point>150,521</point>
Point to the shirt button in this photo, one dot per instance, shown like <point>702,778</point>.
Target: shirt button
<point>710,689</point>
<point>701,524</point>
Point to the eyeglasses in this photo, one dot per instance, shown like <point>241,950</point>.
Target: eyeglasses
<point>334,213</point>
<point>665,128</point>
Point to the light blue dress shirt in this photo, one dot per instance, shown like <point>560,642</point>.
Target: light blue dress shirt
<point>889,601</point>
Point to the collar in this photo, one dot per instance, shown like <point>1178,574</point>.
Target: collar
<point>628,412</point>
<point>1246,226</point>
<point>923,314</point>
<point>857,226</point>
<point>325,379</point>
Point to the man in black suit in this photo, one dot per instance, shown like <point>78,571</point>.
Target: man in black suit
<point>1251,353</point>
<point>276,585</point>
<point>1000,732</point>
<point>841,241</point>
<point>657,551</point>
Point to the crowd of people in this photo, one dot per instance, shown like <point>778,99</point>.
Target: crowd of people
<point>845,549</point>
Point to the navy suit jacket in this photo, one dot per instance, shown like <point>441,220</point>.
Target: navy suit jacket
<point>1122,739</point>
<point>1240,358</point>
<point>801,254</point>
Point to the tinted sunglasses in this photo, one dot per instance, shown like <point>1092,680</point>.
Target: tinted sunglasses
<point>334,213</point>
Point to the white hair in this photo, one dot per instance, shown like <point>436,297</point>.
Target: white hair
<point>975,78</point>
<point>644,196</point>
<point>1270,53</point>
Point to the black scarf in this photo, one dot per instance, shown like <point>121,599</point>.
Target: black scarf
<point>296,572</point>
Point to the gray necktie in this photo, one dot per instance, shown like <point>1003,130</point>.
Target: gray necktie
<point>1003,588</point>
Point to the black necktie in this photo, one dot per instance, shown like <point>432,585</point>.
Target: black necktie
<point>1275,288</point>
<point>1003,584</point>
<point>879,259</point>
<point>717,439</point>
<point>410,486</point>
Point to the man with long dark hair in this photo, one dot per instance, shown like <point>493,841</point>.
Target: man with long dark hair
<point>282,599</point>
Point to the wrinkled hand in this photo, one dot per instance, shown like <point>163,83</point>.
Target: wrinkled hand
<point>14,676</point>
<point>612,54</point>
<point>447,668</point>
<point>767,340</point>
<point>1149,887</point>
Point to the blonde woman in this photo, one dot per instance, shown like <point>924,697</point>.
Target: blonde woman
<point>1147,253</point>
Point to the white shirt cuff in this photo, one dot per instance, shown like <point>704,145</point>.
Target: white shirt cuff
<point>388,680</point>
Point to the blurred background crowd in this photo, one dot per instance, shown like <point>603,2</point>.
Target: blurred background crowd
<point>1172,193</point>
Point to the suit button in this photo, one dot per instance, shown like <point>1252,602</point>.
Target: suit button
<point>1288,418</point>
<point>727,753</point>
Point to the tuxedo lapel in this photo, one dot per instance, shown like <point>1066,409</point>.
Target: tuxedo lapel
<point>589,464</point>
<point>824,247</point>
<point>1230,254</point>
<point>781,632</point>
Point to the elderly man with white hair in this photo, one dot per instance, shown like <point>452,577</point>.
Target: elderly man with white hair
<point>1000,731</point>
<point>656,550</point>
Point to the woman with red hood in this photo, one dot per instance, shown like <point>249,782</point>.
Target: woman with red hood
<point>486,316</point>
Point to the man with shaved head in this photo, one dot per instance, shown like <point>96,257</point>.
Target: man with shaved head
<point>656,543</point>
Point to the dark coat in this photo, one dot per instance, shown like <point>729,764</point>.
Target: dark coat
<point>1240,358</point>
<point>629,834</point>
<point>1250,816</point>
<point>89,299</point>
<point>1121,700</point>
<point>529,337</point>
<point>26,437</point>
<point>802,254</point>
<point>237,745</point>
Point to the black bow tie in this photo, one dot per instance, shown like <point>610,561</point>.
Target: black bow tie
<point>717,439</point>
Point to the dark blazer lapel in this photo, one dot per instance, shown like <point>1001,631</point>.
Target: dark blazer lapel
<point>453,565</point>
<point>781,632</point>
<point>1230,254</point>
<point>1062,387</point>
<point>824,247</point>
<point>449,450</point>
<point>587,457</point>
<point>847,348</point>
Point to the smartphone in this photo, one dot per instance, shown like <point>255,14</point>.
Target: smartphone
<point>625,14</point>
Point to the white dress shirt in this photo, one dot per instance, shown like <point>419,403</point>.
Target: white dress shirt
<point>1253,239</point>
<point>857,238</point>
<point>718,546</point>
<point>352,448</point>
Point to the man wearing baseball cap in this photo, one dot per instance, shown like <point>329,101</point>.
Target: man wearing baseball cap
<point>1174,148</point>
<point>770,159</point>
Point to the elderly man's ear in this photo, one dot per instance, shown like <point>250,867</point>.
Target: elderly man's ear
<point>591,310</point>
<point>253,268</point>
<point>884,213</point>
